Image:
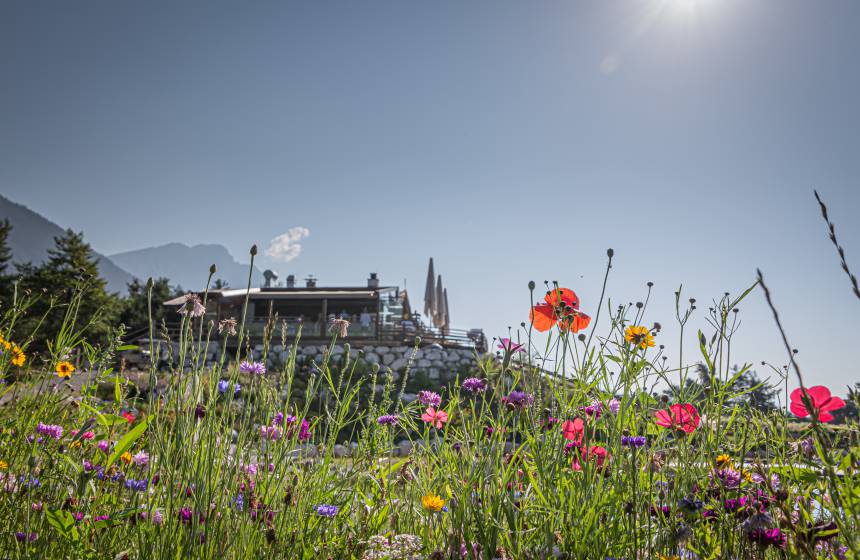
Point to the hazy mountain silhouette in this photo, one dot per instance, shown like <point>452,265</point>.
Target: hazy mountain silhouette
<point>32,235</point>
<point>186,266</point>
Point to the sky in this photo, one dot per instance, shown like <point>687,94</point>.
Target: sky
<point>511,141</point>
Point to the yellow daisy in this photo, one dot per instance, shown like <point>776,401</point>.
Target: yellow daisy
<point>3,465</point>
<point>432,502</point>
<point>639,336</point>
<point>723,461</point>
<point>65,369</point>
<point>18,356</point>
<point>126,457</point>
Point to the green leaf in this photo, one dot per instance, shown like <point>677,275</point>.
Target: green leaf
<point>128,347</point>
<point>64,523</point>
<point>127,441</point>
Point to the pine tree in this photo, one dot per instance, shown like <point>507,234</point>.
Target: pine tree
<point>6,272</point>
<point>5,251</point>
<point>135,314</point>
<point>71,266</point>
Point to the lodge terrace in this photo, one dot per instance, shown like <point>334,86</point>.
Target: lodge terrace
<point>378,315</point>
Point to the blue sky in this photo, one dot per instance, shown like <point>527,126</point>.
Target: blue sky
<point>510,140</point>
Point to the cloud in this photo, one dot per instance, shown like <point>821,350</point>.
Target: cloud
<point>286,246</point>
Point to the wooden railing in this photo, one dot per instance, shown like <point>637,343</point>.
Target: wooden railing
<point>385,335</point>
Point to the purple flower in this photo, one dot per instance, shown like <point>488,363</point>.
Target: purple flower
<point>326,510</point>
<point>429,398</point>
<point>224,386</point>
<point>51,430</point>
<point>388,420</point>
<point>767,537</point>
<point>594,409</point>
<point>22,537</point>
<point>137,485</point>
<point>271,432</point>
<point>729,478</point>
<point>256,368</point>
<point>614,405</point>
<point>192,306</point>
<point>518,400</point>
<point>184,515</point>
<point>632,441</point>
<point>474,385</point>
<point>104,445</point>
<point>510,346</point>
<point>141,458</point>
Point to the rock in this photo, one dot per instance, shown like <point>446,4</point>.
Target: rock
<point>408,397</point>
<point>434,355</point>
<point>309,350</point>
<point>401,349</point>
<point>404,447</point>
<point>433,373</point>
<point>438,364</point>
<point>337,351</point>
<point>340,451</point>
<point>423,364</point>
<point>399,364</point>
<point>383,349</point>
<point>353,447</point>
<point>387,359</point>
<point>371,358</point>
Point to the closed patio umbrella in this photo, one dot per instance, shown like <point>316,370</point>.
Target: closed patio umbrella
<point>430,293</point>
<point>446,323</point>
<point>439,315</point>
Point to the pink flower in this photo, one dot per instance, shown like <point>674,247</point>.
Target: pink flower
<point>821,401</point>
<point>508,345</point>
<point>683,417</point>
<point>435,417</point>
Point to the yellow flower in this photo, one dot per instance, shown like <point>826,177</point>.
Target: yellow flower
<point>3,465</point>
<point>126,457</point>
<point>723,461</point>
<point>432,502</point>
<point>18,356</point>
<point>65,369</point>
<point>639,336</point>
<point>664,557</point>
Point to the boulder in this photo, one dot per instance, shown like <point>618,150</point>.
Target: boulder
<point>388,359</point>
<point>404,447</point>
<point>340,451</point>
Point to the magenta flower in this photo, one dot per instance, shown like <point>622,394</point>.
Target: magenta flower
<point>256,368</point>
<point>429,398</point>
<point>510,346</point>
<point>474,385</point>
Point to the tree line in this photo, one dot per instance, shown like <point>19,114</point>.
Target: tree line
<point>49,286</point>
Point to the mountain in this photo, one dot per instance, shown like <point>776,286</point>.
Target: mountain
<point>32,235</point>
<point>186,266</point>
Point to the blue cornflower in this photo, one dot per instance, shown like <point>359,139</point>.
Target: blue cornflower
<point>326,510</point>
<point>633,441</point>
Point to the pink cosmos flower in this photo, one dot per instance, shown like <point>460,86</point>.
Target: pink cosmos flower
<point>435,417</point>
<point>508,345</point>
<point>683,417</point>
<point>821,401</point>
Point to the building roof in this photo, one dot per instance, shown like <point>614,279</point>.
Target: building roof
<point>289,293</point>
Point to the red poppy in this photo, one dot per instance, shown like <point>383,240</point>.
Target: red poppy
<point>573,429</point>
<point>595,453</point>
<point>560,307</point>
<point>128,416</point>
<point>822,402</point>
<point>682,417</point>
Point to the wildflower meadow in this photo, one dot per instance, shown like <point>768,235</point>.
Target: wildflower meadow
<point>561,449</point>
